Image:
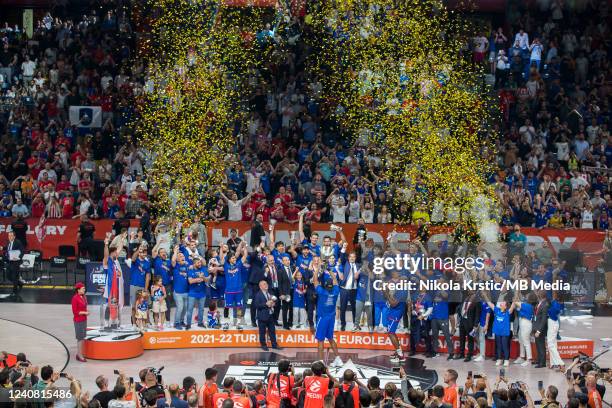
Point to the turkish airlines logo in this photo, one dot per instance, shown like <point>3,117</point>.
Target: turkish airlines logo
<point>238,405</point>
<point>315,386</point>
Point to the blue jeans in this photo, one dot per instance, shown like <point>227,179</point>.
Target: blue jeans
<point>191,302</point>
<point>502,347</point>
<point>181,307</point>
<point>536,62</point>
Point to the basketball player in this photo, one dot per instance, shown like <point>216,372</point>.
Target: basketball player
<point>394,311</point>
<point>326,315</point>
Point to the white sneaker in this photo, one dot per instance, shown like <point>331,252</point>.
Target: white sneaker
<point>498,363</point>
<point>479,359</point>
<point>526,363</point>
<point>337,362</point>
<point>519,361</point>
<point>506,363</point>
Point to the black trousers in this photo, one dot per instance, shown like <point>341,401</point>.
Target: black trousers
<point>254,289</point>
<point>419,329</point>
<point>465,327</point>
<point>311,304</point>
<point>268,325</point>
<point>540,343</point>
<point>347,296</point>
<point>287,313</point>
<point>13,275</point>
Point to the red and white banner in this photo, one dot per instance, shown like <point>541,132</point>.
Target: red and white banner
<point>55,232</point>
<point>58,232</point>
<point>589,242</point>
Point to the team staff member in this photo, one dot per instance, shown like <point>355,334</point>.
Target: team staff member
<point>469,321</point>
<point>79,312</point>
<point>12,254</point>
<point>208,389</point>
<point>349,274</point>
<point>540,327</point>
<point>326,314</point>
<point>264,303</point>
<point>280,386</point>
<point>419,323</point>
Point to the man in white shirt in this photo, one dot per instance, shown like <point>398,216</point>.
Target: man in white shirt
<point>536,53</point>
<point>348,288</point>
<point>527,131</point>
<point>481,45</point>
<point>523,39</point>
<point>27,69</point>
<point>234,205</point>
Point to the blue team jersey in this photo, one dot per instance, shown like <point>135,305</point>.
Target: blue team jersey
<point>303,262</point>
<point>501,322</point>
<point>197,290</point>
<point>484,311</point>
<point>315,249</point>
<point>157,294</point>
<point>143,306</point>
<point>326,301</point>
<point>233,277</point>
<point>440,310</point>
<point>363,284</point>
<point>138,271</point>
<point>212,319</point>
<point>163,268</point>
<point>554,310</point>
<point>299,299</point>
<point>278,256</point>
<point>526,311</point>
<point>179,277</point>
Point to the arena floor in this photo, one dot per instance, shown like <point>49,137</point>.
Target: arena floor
<point>45,333</point>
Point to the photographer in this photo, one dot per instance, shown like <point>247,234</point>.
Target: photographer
<point>151,381</point>
<point>280,386</point>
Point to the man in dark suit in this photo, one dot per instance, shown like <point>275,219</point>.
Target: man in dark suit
<point>264,303</point>
<point>348,287</point>
<point>540,326</point>
<point>256,275</point>
<point>13,251</point>
<point>469,320</point>
<point>285,290</point>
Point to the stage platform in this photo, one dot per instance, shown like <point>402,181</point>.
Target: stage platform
<point>46,334</point>
<point>122,344</point>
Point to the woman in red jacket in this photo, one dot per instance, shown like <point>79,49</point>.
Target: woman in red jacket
<point>79,311</point>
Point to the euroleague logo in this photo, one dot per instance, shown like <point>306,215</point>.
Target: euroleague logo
<point>152,340</point>
<point>315,386</point>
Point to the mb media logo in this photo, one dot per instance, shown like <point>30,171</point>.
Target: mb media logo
<point>250,367</point>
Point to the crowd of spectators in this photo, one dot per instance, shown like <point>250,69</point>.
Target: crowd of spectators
<point>585,389</point>
<point>550,67</point>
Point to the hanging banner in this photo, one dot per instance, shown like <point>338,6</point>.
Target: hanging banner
<point>28,22</point>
